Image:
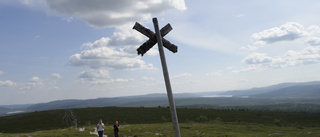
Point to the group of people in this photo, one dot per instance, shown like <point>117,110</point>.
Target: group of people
<point>100,128</point>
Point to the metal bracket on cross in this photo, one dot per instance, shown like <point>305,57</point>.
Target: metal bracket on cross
<point>153,39</point>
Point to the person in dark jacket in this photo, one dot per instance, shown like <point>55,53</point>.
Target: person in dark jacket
<point>116,129</point>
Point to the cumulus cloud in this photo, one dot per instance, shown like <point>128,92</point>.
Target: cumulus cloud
<point>117,52</point>
<point>256,61</point>
<point>7,83</point>
<point>108,57</point>
<point>55,76</point>
<point>98,76</point>
<point>94,74</point>
<point>313,30</point>
<point>110,13</point>
<point>67,19</point>
<point>257,58</point>
<point>35,82</point>
<point>34,79</point>
<point>287,32</point>
<point>314,41</point>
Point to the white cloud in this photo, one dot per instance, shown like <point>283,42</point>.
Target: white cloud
<point>7,83</point>
<point>116,52</point>
<point>287,32</point>
<point>257,58</point>
<point>119,80</point>
<point>313,30</point>
<point>35,82</point>
<point>148,79</point>
<point>34,79</point>
<point>67,19</point>
<point>110,13</point>
<point>110,58</point>
<point>256,61</point>
<point>124,35</point>
<point>55,75</point>
<point>98,77</point>
<point>94,74</point>
<point>1,72</point>
<point>314,41</point>
<point>183,75</point>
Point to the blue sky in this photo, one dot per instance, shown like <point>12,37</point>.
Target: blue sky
<point>63,49</point>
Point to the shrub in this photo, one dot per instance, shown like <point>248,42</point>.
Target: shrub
<point>202,118</point>
<point>218,120</point>
<point>164,118</point>
<point>277,122</point>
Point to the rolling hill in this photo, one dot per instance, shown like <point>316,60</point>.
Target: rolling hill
<point>291,94</point>
<point>283,90</point>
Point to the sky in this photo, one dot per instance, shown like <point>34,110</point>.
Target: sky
<point>67,49</point>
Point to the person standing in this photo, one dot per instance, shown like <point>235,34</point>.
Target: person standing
<point>100,128</point>
<point>116,129</point>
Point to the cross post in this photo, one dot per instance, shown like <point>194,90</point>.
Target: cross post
<point>154,38</point>
<point>173,112</point>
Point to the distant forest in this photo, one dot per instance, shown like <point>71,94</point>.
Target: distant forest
<point>243,104</point>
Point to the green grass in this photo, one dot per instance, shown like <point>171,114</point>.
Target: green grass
<point>156,122</point>
<point>187,130</point>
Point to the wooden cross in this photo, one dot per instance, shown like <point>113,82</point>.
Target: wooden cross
<point>153,38</point>
<point>157,38</point>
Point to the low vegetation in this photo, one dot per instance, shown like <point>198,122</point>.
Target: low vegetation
<point>156,122</point>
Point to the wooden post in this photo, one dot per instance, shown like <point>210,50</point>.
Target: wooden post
<point>174,116</point>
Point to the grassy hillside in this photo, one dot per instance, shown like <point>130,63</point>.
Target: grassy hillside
<point>190,129</point>
<point>46,120</point>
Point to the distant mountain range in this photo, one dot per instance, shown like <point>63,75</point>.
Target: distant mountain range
<point>283,90</point>
<point>256,96</point>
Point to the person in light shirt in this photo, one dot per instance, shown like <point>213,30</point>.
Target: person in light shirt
<point>100,128</point>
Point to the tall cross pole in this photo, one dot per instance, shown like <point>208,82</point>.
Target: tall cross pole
<point>162,42</point>
<point>174,116</point>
